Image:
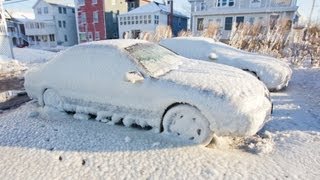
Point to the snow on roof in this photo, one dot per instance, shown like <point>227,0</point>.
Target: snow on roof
<point>153,7</point>
<point>68,3</point>
<point>22,16</point>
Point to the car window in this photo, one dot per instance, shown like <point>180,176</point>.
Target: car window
<point>156,60</point>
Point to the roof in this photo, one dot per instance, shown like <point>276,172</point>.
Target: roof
<point>68,3</point>
<point>154,7</point>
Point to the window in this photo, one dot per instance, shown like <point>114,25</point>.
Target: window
<point>64,10</point>
<point>72,10</point>
<point>45,10</point>
<point>225,3</point>
<point>155,59</point>
<point>51,37</point>
<point>83,17</point>
<point>156,19</point>
<point>39,10</point>
<point>200,24</point>
<point>251,20</point>
<point>239,20</point>
<point>97,36</point>
<point>94,1</point>
<point>59,23</point>
<point>81,2</point>
<point>95,16</point>
<point>90,38</point>
<point>65,38</point>
<point>37,25</point>
<point>64,24</point>
<point>42,25</point>
<point>228,23</point>
<point>60,10</point>
<point>255,3</point>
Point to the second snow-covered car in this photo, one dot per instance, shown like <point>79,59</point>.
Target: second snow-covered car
<point>142,83</point>
<point>274,73</point>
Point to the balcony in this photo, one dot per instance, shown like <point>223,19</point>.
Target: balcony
<point>233,7</point>
<point>40,28</point>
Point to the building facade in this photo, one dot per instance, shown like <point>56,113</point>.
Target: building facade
<point>98,19</point>
<point>91,20</point>
<point>227,12</point>
<point>147,18</point>
<point>54,24</point>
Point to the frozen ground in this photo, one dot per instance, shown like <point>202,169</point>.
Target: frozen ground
<point>37,144</point>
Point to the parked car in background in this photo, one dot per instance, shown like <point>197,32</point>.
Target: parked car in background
<point>139,82</point>
<point>274,73</point>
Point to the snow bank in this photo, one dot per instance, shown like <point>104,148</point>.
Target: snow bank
<point>11,67</point>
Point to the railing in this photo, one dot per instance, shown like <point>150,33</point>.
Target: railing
<point>268,4</point>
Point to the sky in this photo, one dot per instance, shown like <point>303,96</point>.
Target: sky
<point>180,5</point>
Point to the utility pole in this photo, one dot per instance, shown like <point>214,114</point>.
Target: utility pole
<point>170,20</point>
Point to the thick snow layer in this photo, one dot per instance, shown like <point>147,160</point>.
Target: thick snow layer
<point>56,146</point>
<point>274,73</point>
<point>234,102</point>
<point>32,56</point>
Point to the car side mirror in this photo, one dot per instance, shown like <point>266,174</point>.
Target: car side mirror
<point>213,56</point>
<point>133,77</point>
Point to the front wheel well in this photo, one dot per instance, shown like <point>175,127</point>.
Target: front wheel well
<point>252,72</point>
<point>168,108</point>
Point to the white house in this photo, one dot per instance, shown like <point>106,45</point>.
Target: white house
<point>54,24</point>
<point>146,18</point>
<point>228,12</point>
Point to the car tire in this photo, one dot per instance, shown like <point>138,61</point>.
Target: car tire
<point>51,99</point>
<point>189,123</point>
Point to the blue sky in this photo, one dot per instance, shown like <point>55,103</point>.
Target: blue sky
<point>182,5</point>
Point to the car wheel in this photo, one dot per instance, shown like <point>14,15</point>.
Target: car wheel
<point>52,99</point>
<point>189,123</point>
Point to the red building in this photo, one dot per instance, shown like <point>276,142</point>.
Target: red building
<point>98,19</point>
<point>91,20</point>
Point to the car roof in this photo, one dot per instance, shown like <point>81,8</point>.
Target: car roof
<point>116,43</point>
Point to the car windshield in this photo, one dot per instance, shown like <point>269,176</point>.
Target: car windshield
<point>155,59</point>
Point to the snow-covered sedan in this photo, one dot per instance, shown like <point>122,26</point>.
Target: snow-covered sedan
<point>274,73</point>
<point>142,83</point>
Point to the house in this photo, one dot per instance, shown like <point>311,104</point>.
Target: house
<point>146,19</point>
<point>98,19</point>
<point>54,24</point>
<point>227,12</point>
<point>16,29</point>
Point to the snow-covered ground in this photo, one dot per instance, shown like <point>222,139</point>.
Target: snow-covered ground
<point>39,144</point>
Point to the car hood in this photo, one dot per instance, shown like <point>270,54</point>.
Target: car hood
<point>223,81</point>
<point>273,72</point>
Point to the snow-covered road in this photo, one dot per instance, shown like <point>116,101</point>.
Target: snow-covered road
<point>56,146</point>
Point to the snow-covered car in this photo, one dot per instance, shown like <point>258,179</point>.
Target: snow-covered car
<point>142,83</point>
<point>274,73</point>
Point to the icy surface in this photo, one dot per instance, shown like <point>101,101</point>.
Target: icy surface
<point>56,146</point>
<point>235,102</point>
<point>274,73</point>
